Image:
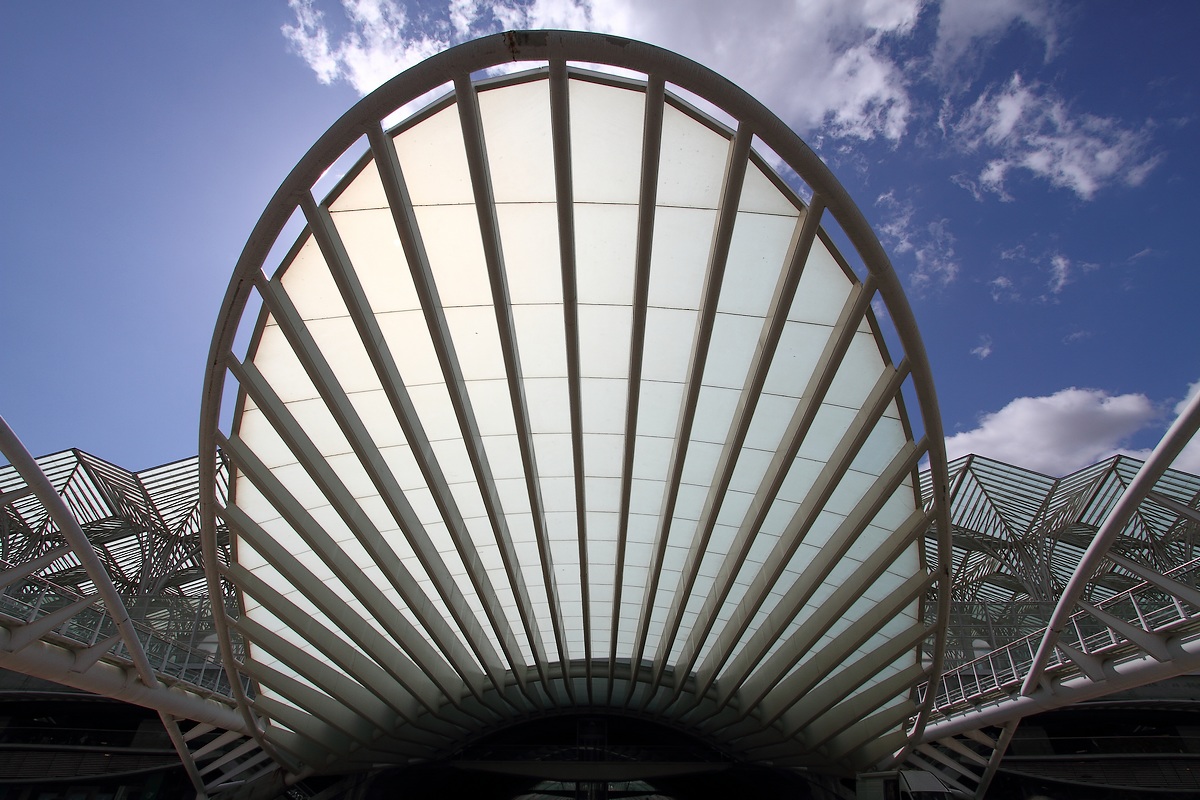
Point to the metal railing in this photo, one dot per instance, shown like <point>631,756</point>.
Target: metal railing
<point>997,675</point>
<point>32,598</point>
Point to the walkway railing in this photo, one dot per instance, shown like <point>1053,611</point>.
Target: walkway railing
<point>1145,608</point>
<point>31,598</point>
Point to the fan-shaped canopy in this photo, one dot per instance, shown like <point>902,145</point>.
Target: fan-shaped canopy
<point>562,398</point>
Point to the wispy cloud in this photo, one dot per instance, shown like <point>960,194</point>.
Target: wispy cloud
<point>931,244</point>
<point>1027,126</point>
<point>984,349</point>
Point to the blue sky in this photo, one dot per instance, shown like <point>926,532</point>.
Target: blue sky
<point>1030,166</point>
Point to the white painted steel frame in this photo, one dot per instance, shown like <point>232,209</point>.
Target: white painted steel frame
<point>419,683</point>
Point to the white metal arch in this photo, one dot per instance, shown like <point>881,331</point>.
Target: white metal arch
<point>563,399</point>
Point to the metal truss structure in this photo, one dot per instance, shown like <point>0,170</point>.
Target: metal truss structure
<point>101,589</point>
<point>1066,590</point>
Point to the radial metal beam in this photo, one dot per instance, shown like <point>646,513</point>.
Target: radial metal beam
<point>647,205</point>
<point>718,257</point>
<point>493,253</point>
<point>354,296</point>
<point>405,220</point>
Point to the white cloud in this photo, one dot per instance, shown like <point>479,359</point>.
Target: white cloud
<point>984,349</point>
<point>819,64</point>
<point>1059,433</point>
<point>962,24</point>
<point>1072,428</point>
<point>1022,126</point>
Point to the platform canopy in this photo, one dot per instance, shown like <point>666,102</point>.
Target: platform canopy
<point>563,400</point>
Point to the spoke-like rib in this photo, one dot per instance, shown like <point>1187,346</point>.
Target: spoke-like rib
<point>392,382</point>
<point>317,367</point>
<point>405,219</point>
<point>560,125</point>
<point>647,198</point>
<point>493,253</point>
<point>731,192</point>
<point>756,378</point>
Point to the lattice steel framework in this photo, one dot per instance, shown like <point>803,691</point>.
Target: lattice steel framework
<point>563,399</point>
<point>144,527</point>
<point>1019,535</point>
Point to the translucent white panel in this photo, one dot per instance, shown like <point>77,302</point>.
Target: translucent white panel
<point>603,403</point>
<point>455,251</point>
<point>761,195</point>
<point>493,411</point>
<point>352,475</point>
<point>604,333</point>
<point>605,249</point>
<point>823,288</point>
<point>403,466</point>
<point>853,487</point>
<point>316,420</point>
<point>828,427</point>
<point>687,508</point>
<point>757,255</point>
<point>885,440</point>
<point>603,453</point>
<point>860,369</point>
<point>555,456</point>
<point>434,161</point>
<point>374,249</point>
<point>340,343</point>
<point>408,339</point>
<point>310,286</point>
<point>701,461</point>
<point>749,471</point>
<point>714,412</point>
<point>693,162</point>
<point>504,454</point>
<point>668,344</point>
<point>734,506</point>
<point>558,495</point>
<point>606,142</point>
<point>679,256</point>
<point>433,406</point>
<point>778,516</point>
<point>549,405</point>
<point>801,476</point>
<point>477,342</point>
<point>771,418</point>
<point>365,191</point>
<point>603,493</point>
<point>529,236</point>
<point>658,410</point>
<point>800,347</point>
<point>540,341</point>
<point>643,528</point>
<point>514,498</point>
<point>734,341</point>
<point>255,431</point>
<point>279,365</point>
<point>516,130</point>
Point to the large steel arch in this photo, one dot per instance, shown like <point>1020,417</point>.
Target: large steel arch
<point>562,399</point>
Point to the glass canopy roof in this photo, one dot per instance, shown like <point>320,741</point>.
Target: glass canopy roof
<point>563,398</point>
